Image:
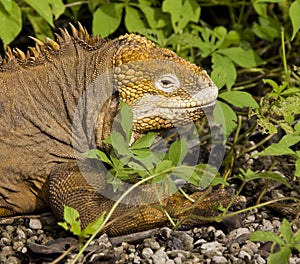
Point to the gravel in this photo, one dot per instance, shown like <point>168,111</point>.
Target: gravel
<point>39,240</point>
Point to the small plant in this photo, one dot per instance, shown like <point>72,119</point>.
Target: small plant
<point>72,224</point>
<point>287,241</point>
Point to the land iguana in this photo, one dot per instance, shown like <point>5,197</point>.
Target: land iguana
<point>60,98</point>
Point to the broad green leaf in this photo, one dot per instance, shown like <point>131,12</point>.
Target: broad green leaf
<point>280,257</point>
<point>71,217</point>
<point>226,117</point>
<point>43,8</point>
<point>8,5</point>
<point>224,72</point>
<point>267,175</point>
<point>178,151</point>
<point>174,8</point>
<point>119,144</point>
<point>244,58</point>
<point>94,226</point>
<point>297,164</point>
<point>260,8</point>
<point>144,142</point>
<point>203,175</point>
<point>155,17</point>
<point>239,99</point>
<point>267,29</point>
<point>296,240</point>
<point>266,236</point>
<point>134,20</point>
<point>295,17</point>
<point>97,154</point>
<point>183,172</point>
<point>11,23</point>
<point>286,231</point>
<point>276,150</point>
<point>190,11</point>
<point>282,147</point>
<point>107,19</point>
<point>58,7</point>
<point>126,120</point>
<point>163,166</point>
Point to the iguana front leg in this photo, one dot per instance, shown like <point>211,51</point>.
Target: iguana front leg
<point>67,186</point>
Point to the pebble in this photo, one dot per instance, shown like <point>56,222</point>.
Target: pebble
<point>212,249</point>
<point>147,253</point>
<point>219,259</point>
<point>35,223</point>
<point>160,256</point>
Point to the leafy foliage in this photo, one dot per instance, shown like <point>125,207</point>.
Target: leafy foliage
<point>287,241</point>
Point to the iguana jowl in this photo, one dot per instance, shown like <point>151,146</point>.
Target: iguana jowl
<point>45,122</point>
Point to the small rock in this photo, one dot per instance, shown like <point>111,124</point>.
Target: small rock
<point>234,234</point>
<point>234,248</point>
<point>147,253</point>
<point>170,261</point>
<point>160,256</point>
<point>18,246</point>
<point>260,260</point>
<point>177,260</point>
<point>212,249</point>
<point>35,223</point>
<point>149,242</point>
<point>219,259</point>
<point>20,233</point>
<point>245,255</point>
<point>220,234</point>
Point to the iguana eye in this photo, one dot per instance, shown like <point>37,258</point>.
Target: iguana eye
<point>167,83</point>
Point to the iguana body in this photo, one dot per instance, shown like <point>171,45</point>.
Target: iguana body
<point>60,100</point>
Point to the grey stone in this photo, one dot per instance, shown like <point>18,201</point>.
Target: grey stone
<point>149,242</point>
<point>35,223</point>
<point>147,253</point>
<point>160,256</point>
<point>212,249</point>
<point>243,254</point>
<point>219,259</point>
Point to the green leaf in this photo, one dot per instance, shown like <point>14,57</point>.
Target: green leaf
<point>163,166</point>
<point>43,8</point>
<point>155,17</point>
<point>97,154</point>
<point>7,4</point>
<point>267,175</point>
<point>119,144</point>
<point>126,120</point>
<point>58,7</point>
<point>203,175</point>
<point>94,226</point>
<point>282,147</point>
<point>239,99</point>
<point>244,58</point>
<point>182,12</point>
<point>178,151</point>
<point>107,19</point>
<point>134,20</point>
<point>224,72</point>
<point>226,117</point>
<point>144,142</point>
<point>266,236</point>
<point>297,164</point>
<point>294,12</point>
<point>280,257</point>
<point>11,23</point>
<point>286,231</point>
<point>71,217</point>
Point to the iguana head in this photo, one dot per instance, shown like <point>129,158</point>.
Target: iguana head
<point>163,89</point>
